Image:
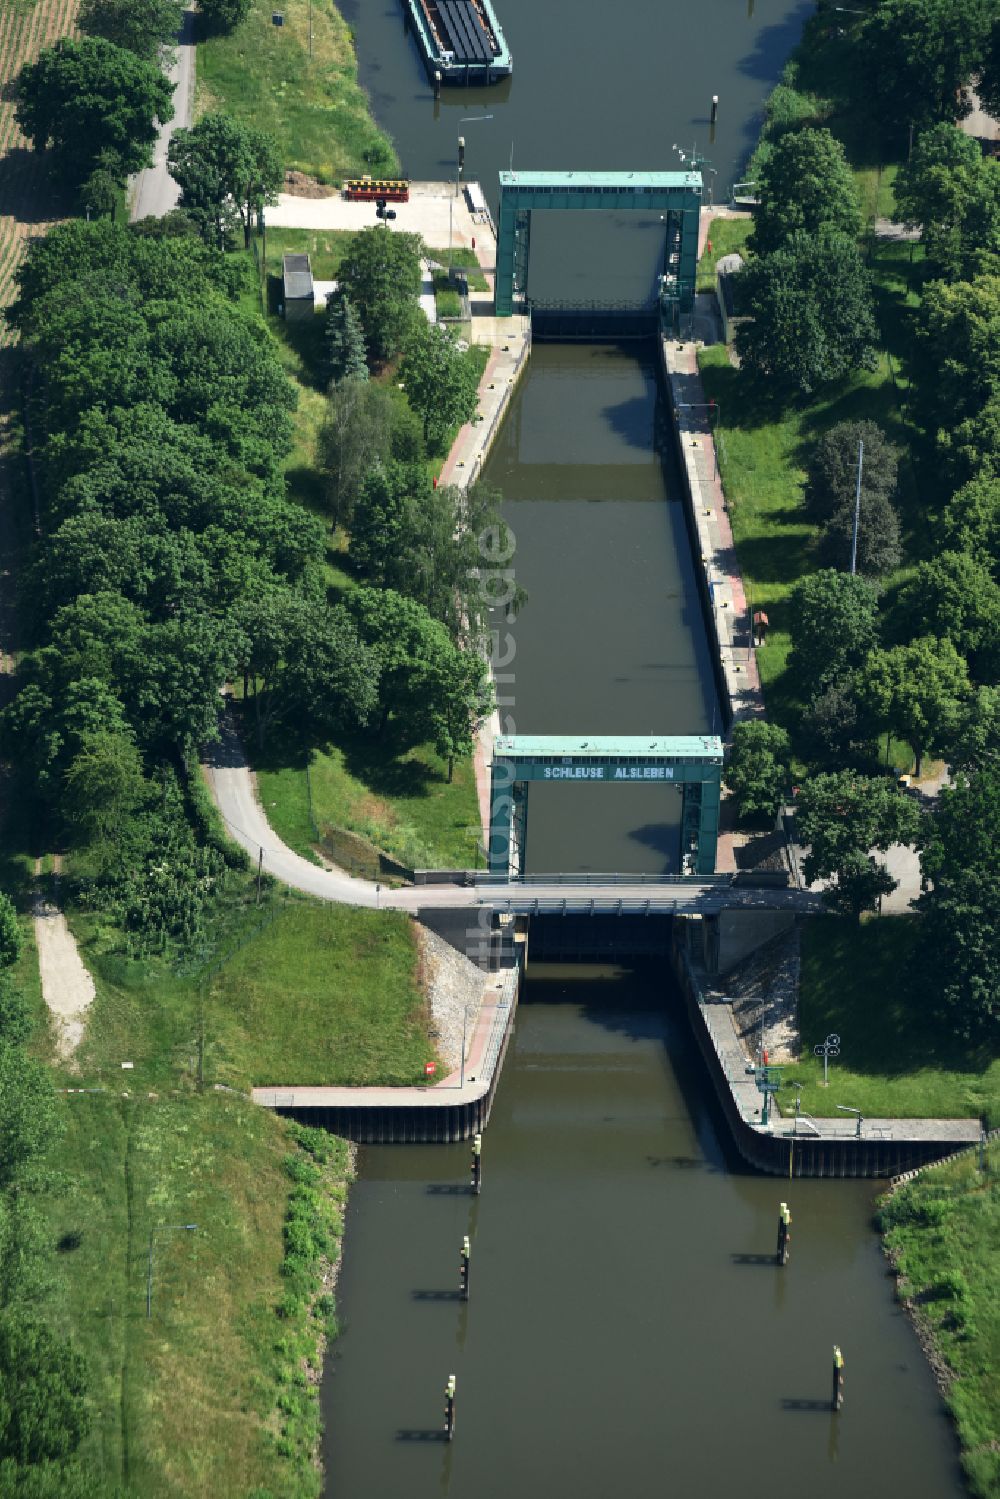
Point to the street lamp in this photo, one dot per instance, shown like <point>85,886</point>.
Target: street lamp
<point>459,167</point>
<point>846,1109</point>
<point>161,1228</point>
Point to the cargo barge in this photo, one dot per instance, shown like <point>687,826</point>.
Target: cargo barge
<point>461,40</point>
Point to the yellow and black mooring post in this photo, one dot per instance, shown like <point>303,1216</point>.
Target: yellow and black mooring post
<point>837,1400</point>
<point>449,1408</point>
<point>784,1234</point>
<point>466,1254</point>
<point>477,1164</point>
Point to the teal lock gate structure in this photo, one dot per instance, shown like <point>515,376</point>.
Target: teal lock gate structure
<point>676,196</point>
<point>692,763</point>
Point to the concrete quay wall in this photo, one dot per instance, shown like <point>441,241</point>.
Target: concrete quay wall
<point>724,599</point>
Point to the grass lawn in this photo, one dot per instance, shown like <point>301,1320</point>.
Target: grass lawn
<point>464,258</point>
<point>943,1233</point>
<point>187,1401</point>
<point>313,106</point>
<point>402,805</point>
<point>763,449</point>
<point>309,993</point>
<point>326,248</point>
<point>725,236</point>
<point>893,1059</point>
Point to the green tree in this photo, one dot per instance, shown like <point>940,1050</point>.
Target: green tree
<point>355,438</point>
<point>440,380</point>
<point>813,317</point>
<point>879,548</point>
<point>757,772</point>
<point>305,664</point>
<point>920,56</point>
<point>29,1125</point>
<point>86,98</point>
<point>834,727</point>
<point>955,597</point>
<point>146,27</point>
<point>217,17</point>
<point>976,738</point>
<point>224,168</point>
<point>99,193</point>
<point>103,789</point>
<point>424,678</point>
<point>832,468</point>
<point>917,691</point>
<point>10,932</point>
<point>15,1017</point>
<point>381,275</point>
<point>951,192</point>
<point>842,817</point>
<point>958,350</point>
<point>833,619</point>
<point>970,522</point>
<point>345,340</point>
<point>958,938</point>
<point>806,186</point>
<point>43,1392</point>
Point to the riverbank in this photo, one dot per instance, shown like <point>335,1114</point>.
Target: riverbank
<point>941,1233</point>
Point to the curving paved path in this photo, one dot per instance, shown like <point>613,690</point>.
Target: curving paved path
<point>234,790</point>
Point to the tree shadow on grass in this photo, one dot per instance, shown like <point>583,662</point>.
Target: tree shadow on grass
<point>377,763</point>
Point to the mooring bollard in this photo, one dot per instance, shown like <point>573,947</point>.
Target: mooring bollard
<point>466,1254</point>
<point>784,1234</point>
<point>437,83</point>
<point>477,1164</point>
<point>838,1379</point>
<point>449,1408</point>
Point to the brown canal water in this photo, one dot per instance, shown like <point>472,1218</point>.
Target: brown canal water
<point>628,1332</point>
<point>612,638</point>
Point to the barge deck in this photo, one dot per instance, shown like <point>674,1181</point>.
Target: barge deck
<point>461,40</point>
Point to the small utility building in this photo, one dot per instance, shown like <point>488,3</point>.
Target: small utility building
<point>299,295</point>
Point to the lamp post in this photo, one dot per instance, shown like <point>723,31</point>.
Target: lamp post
<point>846,1109</point>
<point>161,1228</point>
<point>459,167</point>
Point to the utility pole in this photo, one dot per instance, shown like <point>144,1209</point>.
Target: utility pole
<point>857,509</point>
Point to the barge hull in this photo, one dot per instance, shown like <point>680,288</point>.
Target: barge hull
<point>477,63</point>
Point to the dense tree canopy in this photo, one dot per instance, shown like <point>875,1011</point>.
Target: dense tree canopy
<point>879,549</point>
<point>917,691</point>
<point>952,192</point>
<point>227,172</point>
<point>832,468</point>
<point>146,27</point>
<point>833,619</point>
<point>805,186</point>
<point>812,317</point>
<point>91,101</point>
<point>842,817</point>
<point>216,17</point>
<point>958,964</point>
<point>757,772</point>
<point>381,275</point>
<point>955,597</point>
<point>920,55</point>
<point>441,382</point>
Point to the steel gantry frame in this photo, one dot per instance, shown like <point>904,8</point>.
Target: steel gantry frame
<point>676,196</point>
<point>692,763</point>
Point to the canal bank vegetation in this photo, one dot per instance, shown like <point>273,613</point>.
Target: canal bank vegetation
<point>216,1392</point>
<point>897,668</point>
<point>941,1233</point>
<point>305,95</point>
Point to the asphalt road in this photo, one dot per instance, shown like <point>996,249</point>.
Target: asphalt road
<point>154,191</point>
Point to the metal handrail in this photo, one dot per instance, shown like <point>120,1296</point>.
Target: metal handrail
<point>484,877</point>
<point>501,1018</point>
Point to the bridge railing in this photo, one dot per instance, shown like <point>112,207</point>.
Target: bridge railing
<point>482,877</point>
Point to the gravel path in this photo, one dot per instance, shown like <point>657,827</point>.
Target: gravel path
<point>67,987</point>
